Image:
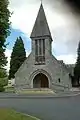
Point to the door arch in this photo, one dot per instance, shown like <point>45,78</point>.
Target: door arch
<point>40,81</point>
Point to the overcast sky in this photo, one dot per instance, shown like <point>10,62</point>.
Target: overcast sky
<point>64,25</point>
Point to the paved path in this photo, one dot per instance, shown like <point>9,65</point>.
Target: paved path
<point>46,108</point>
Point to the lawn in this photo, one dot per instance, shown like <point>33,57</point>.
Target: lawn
<point>9,114</point>
<point>9,89</point>
<point>42,91</point>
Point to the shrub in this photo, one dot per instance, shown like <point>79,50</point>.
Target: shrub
<point>2,89</point>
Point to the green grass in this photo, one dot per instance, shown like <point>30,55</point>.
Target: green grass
<point>35,92</point>
<point>9,89</point>
<point>9,114</point>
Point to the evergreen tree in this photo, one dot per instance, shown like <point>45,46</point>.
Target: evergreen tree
<point>17,57</point>
<point>77,66</point>
<point>3,77</point>
<point>4,29</point>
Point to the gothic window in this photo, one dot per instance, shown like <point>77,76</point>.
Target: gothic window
<point>39,47</point>
<point>36,48</point>
<point>40,51</point>
<point>43,47</point>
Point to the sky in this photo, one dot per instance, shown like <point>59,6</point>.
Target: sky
<point>63,21</point>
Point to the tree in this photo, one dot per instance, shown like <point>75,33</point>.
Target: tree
<point>77,66</point>
<point>4,29</point>
<point>3,77</point>
<point>4,32</point>
<point>17,57</point>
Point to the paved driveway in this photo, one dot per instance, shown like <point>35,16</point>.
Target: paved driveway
<point>46,108</point>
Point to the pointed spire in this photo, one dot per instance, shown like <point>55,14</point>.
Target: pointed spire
<point>41,27</point>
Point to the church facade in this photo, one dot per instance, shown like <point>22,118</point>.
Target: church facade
<point>41,69</point>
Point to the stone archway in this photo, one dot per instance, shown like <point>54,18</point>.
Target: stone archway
<point>40,81</point>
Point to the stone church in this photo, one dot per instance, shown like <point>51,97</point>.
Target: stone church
<point>41,69</point>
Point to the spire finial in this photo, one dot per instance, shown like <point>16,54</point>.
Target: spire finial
<point>41,1</point>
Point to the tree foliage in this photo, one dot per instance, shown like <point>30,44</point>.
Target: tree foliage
<point>3,73</point>
<point>4,32</point>
<point>4,29</point>
<point>3,77</point>
<point>17,57</point>
<point>77,66</point>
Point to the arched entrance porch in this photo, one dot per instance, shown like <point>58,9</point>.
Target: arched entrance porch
<point>40,81</point>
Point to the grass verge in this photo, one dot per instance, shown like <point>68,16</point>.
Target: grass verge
<point>35,92</point>
<point>9,114</point>
<point>9,89</point>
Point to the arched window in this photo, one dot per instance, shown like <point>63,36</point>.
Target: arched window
<point>59,80</point>
<point>40,51</point>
